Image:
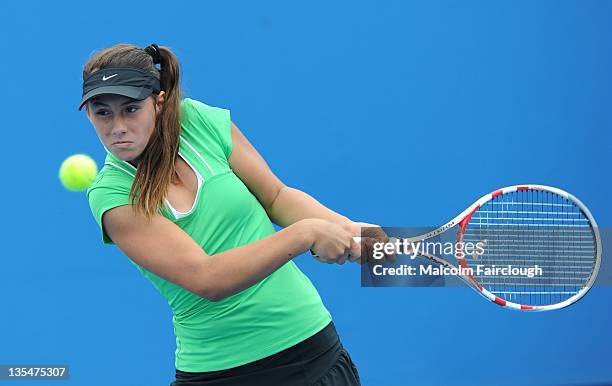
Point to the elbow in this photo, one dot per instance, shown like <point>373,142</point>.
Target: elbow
<point>208,287</point>
<point>213,298</point>
<point>212,294</point>
<point>213,282</point>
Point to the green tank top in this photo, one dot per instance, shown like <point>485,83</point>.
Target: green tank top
<point>272,315</point>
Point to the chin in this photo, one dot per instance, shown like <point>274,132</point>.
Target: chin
<point>128,155</point>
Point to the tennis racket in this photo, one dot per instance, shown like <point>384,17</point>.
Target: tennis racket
<point>523,226</point>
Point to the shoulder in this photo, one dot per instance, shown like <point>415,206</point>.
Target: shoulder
<point>206,122</point>
<point>197,113</point>
<point>114,174</point>
<point>110,189</point>
<point>112,185</point>
<point>193,108</point>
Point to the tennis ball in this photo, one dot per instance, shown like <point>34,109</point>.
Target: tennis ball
<point>78,172</point>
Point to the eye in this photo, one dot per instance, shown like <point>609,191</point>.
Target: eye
<point>102,113</point>
<point>132,109</point>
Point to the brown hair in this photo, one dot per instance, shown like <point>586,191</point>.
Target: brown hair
<point>156,166</point>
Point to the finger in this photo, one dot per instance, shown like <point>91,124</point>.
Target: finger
<point>381,238</point>
<point>363,251</point>
<point>342,258</point>
<point>355,250</point>
<point>319,258</point>
<point>367,249</point>
<point>372,256</point>
<point>372,231</point>
<point>392,257</point>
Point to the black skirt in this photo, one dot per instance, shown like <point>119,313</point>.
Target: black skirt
<point>320,360</point>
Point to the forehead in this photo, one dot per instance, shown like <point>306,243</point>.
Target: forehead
<point>111,99</point>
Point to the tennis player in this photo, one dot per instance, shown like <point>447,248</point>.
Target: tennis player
<point>192,204</point>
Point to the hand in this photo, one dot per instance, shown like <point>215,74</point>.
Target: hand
<point>333,243</point>
<point>370,235</point>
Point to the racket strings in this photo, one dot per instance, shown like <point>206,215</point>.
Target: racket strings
<point>523,229</point>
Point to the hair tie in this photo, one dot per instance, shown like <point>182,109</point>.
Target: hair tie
<point>153,50</point>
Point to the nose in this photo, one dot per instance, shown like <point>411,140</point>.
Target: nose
<point>119,127</point>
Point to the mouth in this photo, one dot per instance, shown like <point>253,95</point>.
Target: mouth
<point>122,144</point>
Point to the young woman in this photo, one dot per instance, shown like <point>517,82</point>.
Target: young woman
<point>191,203</point>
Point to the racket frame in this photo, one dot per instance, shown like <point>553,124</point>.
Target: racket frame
<point>462,221</point>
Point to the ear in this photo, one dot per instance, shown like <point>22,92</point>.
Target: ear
<point>160,101</point>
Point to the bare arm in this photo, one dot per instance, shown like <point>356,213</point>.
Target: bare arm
<point>163,248</point>
<point>292,205</point>
<point>284,205</point>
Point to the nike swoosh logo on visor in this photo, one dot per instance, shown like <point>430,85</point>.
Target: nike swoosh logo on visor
<point>108,77</point>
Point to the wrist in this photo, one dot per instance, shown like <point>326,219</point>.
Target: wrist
<point>309,230</point>
<point>342,221</point>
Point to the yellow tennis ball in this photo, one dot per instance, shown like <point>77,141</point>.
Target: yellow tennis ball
<point>78,172</point>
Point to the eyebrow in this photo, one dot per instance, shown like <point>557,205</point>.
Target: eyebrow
<point>123,104</point>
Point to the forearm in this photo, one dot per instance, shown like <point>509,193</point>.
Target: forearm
<point>292,205</point>
<point>237,269</point>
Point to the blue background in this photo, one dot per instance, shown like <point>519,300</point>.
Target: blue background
<point>398,113</point>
